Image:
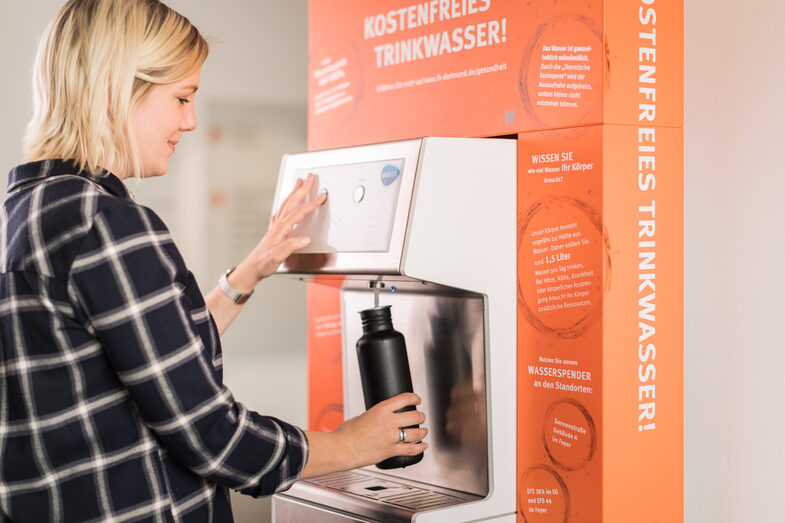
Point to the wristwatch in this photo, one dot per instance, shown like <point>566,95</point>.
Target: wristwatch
<point>238,297</point>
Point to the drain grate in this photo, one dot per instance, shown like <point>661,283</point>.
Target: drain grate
<point>422,500</point>
<point>385,491</point>
<point>339,480</point>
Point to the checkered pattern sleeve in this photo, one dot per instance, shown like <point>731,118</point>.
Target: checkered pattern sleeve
<point>128,279</point>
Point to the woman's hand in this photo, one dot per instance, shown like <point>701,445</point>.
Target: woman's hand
<point>368,438</point>
<point>275,247</point>
<point>271,251</point>
<point>373,436</point>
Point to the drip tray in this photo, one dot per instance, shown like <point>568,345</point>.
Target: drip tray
<point>375,496</point>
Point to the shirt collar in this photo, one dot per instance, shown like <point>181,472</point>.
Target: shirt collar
<point>33,171</point>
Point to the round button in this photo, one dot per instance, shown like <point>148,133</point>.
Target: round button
<point>359,193</point>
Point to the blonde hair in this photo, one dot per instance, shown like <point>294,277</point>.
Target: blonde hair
<point>95,62</point>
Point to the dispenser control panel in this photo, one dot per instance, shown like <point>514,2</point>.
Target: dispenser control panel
<point>362,225</point>
<point>360,208</point>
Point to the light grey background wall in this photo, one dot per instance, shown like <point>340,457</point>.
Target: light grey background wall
<point>734,221</point>
<point>735,249</point>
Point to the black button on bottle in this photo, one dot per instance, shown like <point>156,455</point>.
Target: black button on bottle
<point>384,369</point>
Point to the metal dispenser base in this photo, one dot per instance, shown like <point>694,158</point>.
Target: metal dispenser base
<point>362,496</point>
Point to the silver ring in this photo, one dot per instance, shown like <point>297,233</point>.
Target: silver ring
<point>401,435</point>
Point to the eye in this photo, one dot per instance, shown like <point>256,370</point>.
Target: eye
<point>183,101</point>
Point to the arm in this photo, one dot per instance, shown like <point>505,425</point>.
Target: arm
<point>271,251</point>
<point>132,289</point>
<point>367,439</point>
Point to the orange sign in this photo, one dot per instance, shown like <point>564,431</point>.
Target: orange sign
<point>325,367</point>
<point>600,289</point>
<point>391,70</point>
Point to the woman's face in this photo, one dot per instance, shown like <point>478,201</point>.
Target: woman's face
<point>161,118</point>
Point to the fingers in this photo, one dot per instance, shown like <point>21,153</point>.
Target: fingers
<point>409,417</point>
<point>298,194</point>
<point>284,227</point>
<point>408,420</point>
<point>301,211</point>
<point>274,247</point>
<point>293,211</point>
<point>410,449</point>
<point>400,401</point>
<point>413,434</point>
<point>286,202</point>
<point>412,443</point>
<point>283,250</point>
<point>380,432</point>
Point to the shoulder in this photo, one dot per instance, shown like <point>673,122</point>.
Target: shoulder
<point>46,224</point>
<point>129,238</point>
<point>124,218</point>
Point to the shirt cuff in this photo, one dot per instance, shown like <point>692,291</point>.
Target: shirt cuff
<point>292,464</point>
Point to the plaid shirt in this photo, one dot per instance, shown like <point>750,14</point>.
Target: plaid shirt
<point>112,405</point>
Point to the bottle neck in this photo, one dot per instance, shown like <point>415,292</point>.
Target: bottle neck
<point>376,319</point>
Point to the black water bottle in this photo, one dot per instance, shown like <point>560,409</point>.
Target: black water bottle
<point>384,369</point>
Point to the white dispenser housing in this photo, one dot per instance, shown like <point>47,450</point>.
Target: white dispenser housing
<point>434,220</point>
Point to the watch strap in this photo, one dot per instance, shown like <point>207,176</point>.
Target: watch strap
<point>238,297</point>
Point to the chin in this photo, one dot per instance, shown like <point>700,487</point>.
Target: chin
<point>159,170</point>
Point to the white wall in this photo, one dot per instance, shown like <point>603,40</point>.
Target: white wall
<point>20,29</point>
<point>734,257</point>
<point>734,217</point>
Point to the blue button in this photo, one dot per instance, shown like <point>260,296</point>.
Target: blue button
<point>390,173</point>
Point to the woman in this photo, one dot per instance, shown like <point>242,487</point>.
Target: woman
<point>112,402</point>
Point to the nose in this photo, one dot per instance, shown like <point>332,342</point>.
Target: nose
<point>188,122</point>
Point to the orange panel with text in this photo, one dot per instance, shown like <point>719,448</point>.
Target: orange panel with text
<point>325,368</point>
<point>600,288</point>
<point>381,71</point>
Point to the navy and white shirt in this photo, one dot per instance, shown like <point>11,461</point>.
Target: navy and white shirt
<point>112,405</point>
